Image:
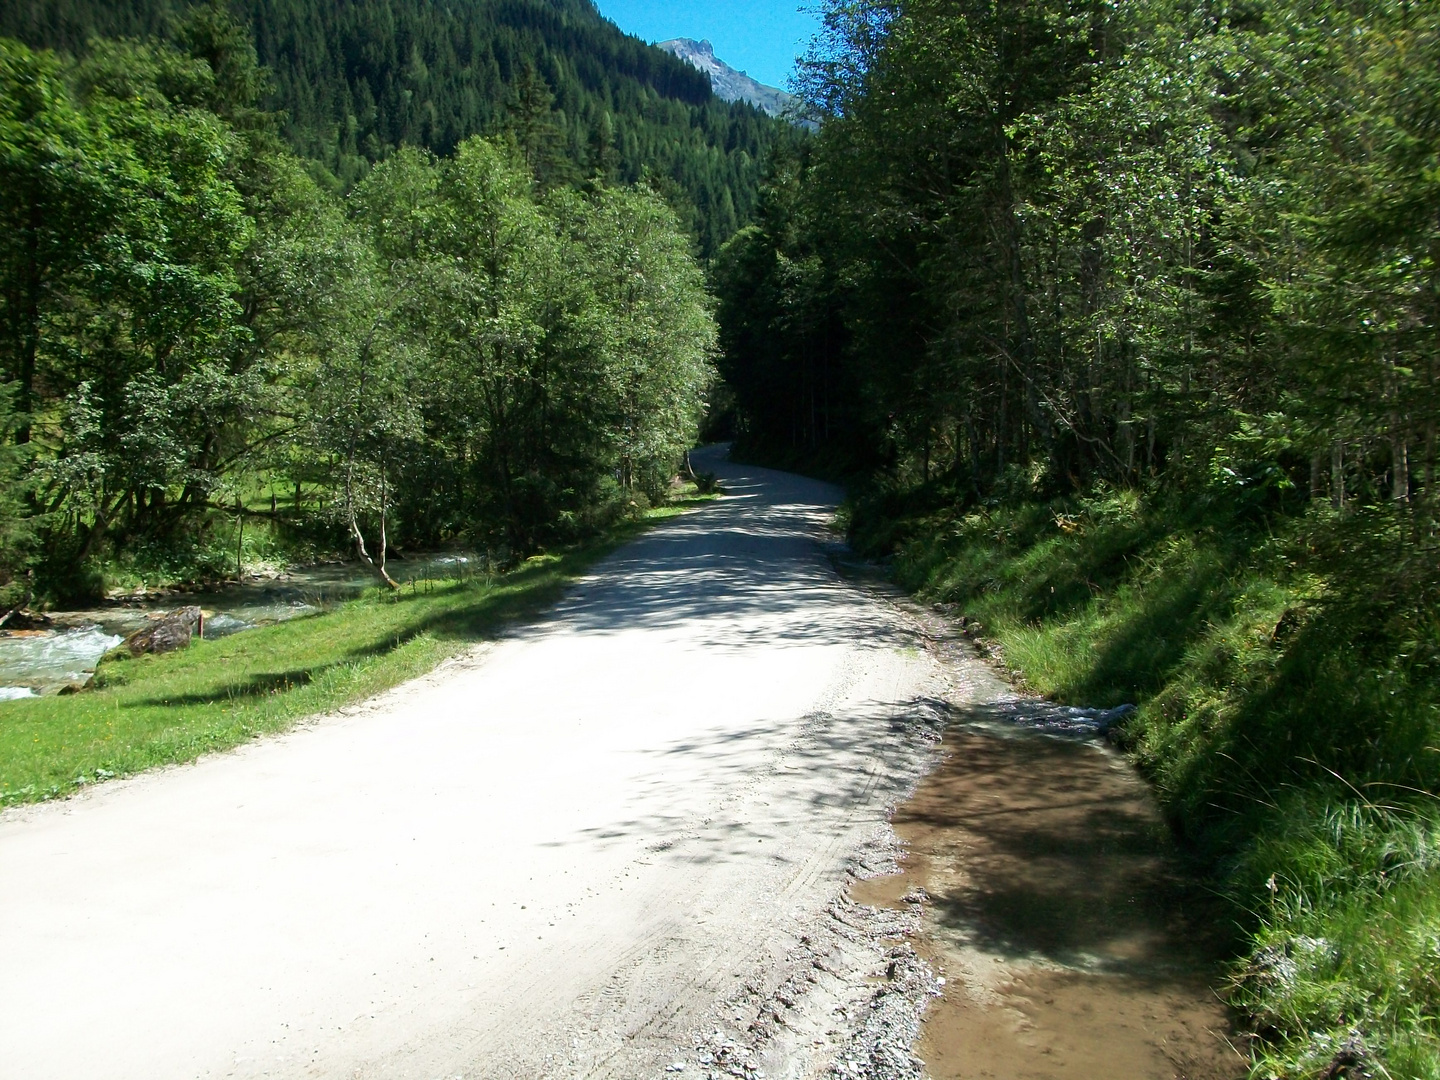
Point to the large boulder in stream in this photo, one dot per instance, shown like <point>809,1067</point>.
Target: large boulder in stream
<point>173,631</point>
<point>23,620</point>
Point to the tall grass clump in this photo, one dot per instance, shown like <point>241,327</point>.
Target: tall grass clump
<point>1344,974</point>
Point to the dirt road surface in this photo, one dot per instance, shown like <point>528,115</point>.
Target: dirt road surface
<point>612,844</point>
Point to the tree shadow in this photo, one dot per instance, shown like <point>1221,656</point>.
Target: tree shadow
<point>260,684</point>
<point>740,572</point>
<point>1065,857</point>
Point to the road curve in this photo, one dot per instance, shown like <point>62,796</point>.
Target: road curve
<point>561,855</point>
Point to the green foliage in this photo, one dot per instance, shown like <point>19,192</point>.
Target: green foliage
<point>657,338</point>
<point>782,332</point>
<point>123,331</point>
<point>355,82</point>
<point>459,351</point>
<point>567,343</point>
<point>17,527</point>
<point>1112,242</point>
<point>1124,315</point>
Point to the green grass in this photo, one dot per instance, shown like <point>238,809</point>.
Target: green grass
<point>1346,952</point>
<point>1285,664</point>
<point>159,710</point>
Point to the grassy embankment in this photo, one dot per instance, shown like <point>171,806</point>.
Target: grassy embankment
<point>158,710</point>
<point>1284,661</point>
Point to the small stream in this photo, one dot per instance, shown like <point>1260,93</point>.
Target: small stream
<point>1073,941</point>
<point>36,662</point>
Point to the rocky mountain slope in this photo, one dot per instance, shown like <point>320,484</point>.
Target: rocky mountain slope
<point>728,84</point>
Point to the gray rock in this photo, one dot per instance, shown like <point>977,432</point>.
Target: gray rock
<point>727,83</point>
<point>172,632</point>
<point>21,619</point>
<point>1107,719</point>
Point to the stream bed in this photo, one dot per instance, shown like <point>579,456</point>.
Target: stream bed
<point>36,662</point>
<point>1056,906</point>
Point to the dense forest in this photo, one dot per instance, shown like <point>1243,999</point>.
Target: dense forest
<point>355,81</point>
<point>1122,320</point>
<point>196,335</point>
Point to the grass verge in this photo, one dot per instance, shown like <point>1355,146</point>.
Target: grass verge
<point>1284,659</point>
<point>160,710</point>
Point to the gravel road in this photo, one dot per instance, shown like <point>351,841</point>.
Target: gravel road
<point>613,844</point>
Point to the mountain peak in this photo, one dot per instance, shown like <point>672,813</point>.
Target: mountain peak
<point>728,84</point>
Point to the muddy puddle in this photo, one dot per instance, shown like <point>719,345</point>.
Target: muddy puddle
<point>1071,940</point>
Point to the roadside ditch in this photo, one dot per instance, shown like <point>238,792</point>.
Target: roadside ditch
<point>1046,901</point>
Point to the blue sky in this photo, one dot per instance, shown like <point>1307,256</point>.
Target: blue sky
<point>760,37</point>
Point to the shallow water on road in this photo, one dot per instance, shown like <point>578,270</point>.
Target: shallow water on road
<point>1072,941</point>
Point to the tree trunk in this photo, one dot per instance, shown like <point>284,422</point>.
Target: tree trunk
<point>97,532</point>
<point>1024,341</point>
<point>378,569</point>
<point>384,537</point>
<point>1430,459</point>
<point>1337,475</point>
<point>972,436</point>
<point>1124,417</point>
<point>357,535</point>
<point>1001,433</point>
<point>30,343</point>
<point>1399,462</point>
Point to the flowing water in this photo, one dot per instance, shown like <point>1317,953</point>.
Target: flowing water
<point>1072,941</point>
<point>34,662</point>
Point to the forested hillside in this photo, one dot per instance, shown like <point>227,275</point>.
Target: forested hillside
<point>200,344</point>
<point>1122,320</point>
<point>357,80</point>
